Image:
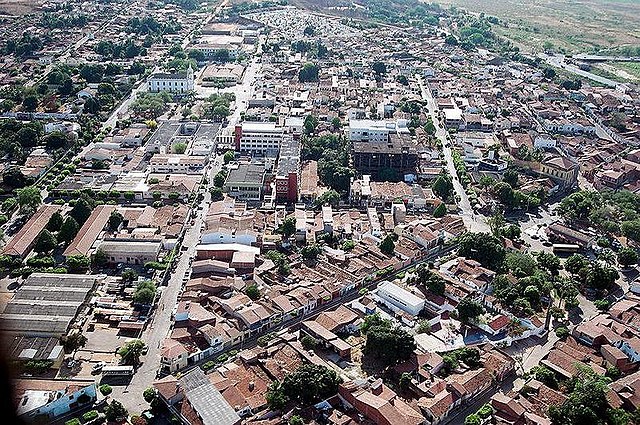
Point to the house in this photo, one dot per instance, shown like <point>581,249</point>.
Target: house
<point>379,403</point>
<point>174,356</point>
<point>23,241</point>
<point>195,400</point>
<point>561,169</point>
<point>90,230</point>
<point>131,251</point>
<point>48,399</point>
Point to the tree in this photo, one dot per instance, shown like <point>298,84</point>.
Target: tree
<point>45,242</point>
<point>56,140</point>
<point>55,222</point>
<point>29,198</point>
<point>549,73</point>
<point>288,227</point>
<point>482,247</point>
<point>14,177</point>
<point>576,263</point>
<point>429,127</point>
<point>216,194</point>
<point>115,220</point>
<point>631,229</point>
<point>428,279</point>
<point>82,209</point>
<point>308,342</point>
<point>469,310</point>
<point>229,156</point>
<point>549,262</point>
<point>131,352</point>
<point>371,321</point>
<point>586,403</point>
<point>27,137</point>
<point>442,186</point>
<point>220,178</point>
<point>77,263</point>
<point>149,394</point>
<point>74,341</point>
<point>253,292</point>
<point>379,67</point>
<point>310,124</point>
<point>472,419</point>
<point>100,258</point>
<point>296,420</point>
<point>627,257</point>
<point>512,232</point>
<point>388,246</point>
<point>180,147</point>
<point>330,197</point>
<point>91,106</point>
<point>511,177</point>
<point>276,399</point>
<point>68,230</point>
<point>496,223</point>
<point>30,103</point>
<point>440,211</point>
<point>129,276</point>
<point>310,252</point>
<point>308,73</point>
<point>92,73</point>
<point>115,410</point>
<point>600,277</point>
<point>388,344</point>
<point>336,124</point>
<point>145,293</point>
<point>310,383</point>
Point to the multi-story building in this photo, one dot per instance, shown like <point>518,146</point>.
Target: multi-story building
<point>258,138</point>
<point>288,171</point>
<point>246,182</point>
<point>398,153</point>
<point>178,83</point>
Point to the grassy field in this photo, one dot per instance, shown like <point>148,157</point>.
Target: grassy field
<point>632,68</point>
<point>571,25</point>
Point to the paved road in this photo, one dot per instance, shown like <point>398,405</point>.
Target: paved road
<point>158,329</point>
<point>123,108</point>
<point>559,62</point>
<point>473,221</point>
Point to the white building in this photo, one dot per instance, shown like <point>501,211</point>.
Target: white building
<point>258,138</point>
<point>374,131</point>
<point>177,164</point>
<point>544,142</point>
<point>396,298</point>
<point>172,83</point>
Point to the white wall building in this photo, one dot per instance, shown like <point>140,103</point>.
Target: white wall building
<point>172,83</point>
<point>396,297</point>
<point>374,131</point>
<point>260,138</point>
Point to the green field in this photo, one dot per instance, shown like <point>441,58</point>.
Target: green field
<point>570,25</point>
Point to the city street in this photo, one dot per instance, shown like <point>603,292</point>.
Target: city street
<point>158,329</point>
<point>473,221</point>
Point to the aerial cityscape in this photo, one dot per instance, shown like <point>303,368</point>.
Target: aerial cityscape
<point>393,212</point>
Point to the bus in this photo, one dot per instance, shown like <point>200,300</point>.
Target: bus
<point>117,371</point>
<point>564,248</point>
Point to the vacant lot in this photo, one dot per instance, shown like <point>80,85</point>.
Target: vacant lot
<point>18,7</point>
<point>572,25</point>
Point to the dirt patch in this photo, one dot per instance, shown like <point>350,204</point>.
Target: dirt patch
<point>19,7</point>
